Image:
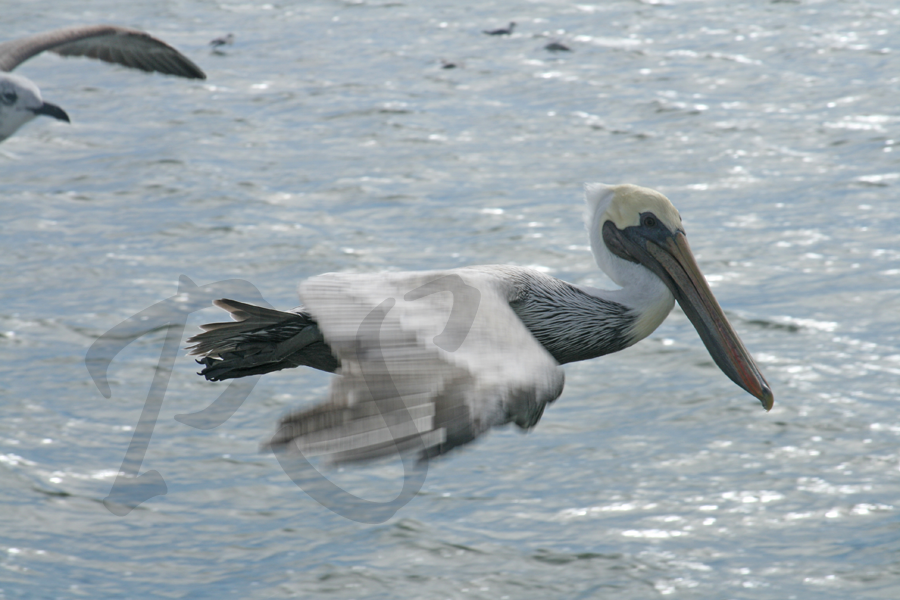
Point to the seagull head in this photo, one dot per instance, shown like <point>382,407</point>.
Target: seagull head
<point>20,102</point>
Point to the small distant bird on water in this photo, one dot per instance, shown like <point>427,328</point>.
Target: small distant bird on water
<point>20,99</point>
<point>422,370</point>
<point>446,64</point>
<point>225,40</point>
<point>557,47</point>
<point>503,31</point>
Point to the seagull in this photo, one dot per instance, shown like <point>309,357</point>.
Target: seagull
<point>502,31</point>
<point>225,40</point>
<point>420,369</point>
<point>20,99</point>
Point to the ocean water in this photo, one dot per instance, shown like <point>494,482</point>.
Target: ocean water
<point>328,137</point>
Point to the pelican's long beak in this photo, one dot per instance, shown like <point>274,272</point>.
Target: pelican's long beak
<point>669,256</point>
<point>689,287</point>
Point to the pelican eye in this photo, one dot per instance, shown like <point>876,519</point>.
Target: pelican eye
<point>648,221</point>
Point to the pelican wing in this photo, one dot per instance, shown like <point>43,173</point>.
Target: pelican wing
<point>110,43</point>
<point>429,361</point>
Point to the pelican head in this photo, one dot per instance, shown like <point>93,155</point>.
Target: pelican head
<point>638,240</point>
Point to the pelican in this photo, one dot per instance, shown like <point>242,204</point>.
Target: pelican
<point>20,99</point>
<point>422,369</point>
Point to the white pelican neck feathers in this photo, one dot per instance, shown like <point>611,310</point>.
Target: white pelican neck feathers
<point>431,360</point>
<point>20,99</point>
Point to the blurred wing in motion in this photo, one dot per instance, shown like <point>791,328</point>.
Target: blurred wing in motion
<point>425,365</point>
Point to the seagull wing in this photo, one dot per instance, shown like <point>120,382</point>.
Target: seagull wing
<point>110,43</point>
<point>429,361</point>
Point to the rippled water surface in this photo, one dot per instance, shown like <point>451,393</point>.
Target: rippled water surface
<point>329,137</point>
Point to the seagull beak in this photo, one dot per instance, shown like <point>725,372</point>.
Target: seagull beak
<point>51,110</point>
<point>674,262</point>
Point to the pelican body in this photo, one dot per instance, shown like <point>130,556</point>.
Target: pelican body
<point>20,99</point>
<point>421,369</point>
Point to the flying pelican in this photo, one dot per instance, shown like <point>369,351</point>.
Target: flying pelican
<point>424,370</point>
<point>20,99</point>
